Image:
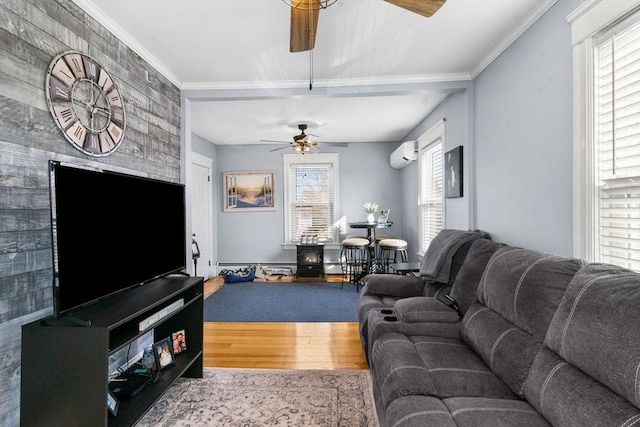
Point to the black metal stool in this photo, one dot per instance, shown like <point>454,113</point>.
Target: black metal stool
<point>392,251</point>
<point>354,259</point>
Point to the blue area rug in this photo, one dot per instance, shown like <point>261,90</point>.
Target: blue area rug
<point>282,302</point>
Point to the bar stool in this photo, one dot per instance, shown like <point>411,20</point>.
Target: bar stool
<point>391,251</point>
<point>354,257</point>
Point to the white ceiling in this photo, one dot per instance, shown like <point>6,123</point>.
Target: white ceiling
<point>378,70</point>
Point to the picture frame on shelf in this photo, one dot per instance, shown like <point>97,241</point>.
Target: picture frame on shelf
<point>149,360</point>
<point>384,216</point>
<point>164,353</point>
<point>112,403</point>
<point>179,341</point>
<point>251,191</point>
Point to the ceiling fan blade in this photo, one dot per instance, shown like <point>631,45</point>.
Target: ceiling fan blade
<point>275,141</point>
<point>280,148</point>
<point>304,24</point>
<point>421,7</point>
<point>335,144</point>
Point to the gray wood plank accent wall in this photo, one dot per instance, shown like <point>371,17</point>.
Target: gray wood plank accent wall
<point>32,32</point>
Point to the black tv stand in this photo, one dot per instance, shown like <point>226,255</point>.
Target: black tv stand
<point>66,320</point>
<point>64,379</point>
<point>181,273</point>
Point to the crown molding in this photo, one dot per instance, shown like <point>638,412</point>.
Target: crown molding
<point>524,25</point>
<point>396,80</point>
<point>126,38</point>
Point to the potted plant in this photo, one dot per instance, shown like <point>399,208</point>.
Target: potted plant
<point>370,209</point>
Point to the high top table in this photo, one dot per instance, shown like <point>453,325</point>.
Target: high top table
<point>371,227</point>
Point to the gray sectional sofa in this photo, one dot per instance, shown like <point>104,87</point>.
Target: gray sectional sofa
<point>383,291</point>
<point>547,340</point>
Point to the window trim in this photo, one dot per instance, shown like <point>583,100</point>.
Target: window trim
<point>588,22</point>
<point>435,134</point>
<point>301,159</point>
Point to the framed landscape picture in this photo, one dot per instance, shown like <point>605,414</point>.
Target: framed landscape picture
<point>249,191</point>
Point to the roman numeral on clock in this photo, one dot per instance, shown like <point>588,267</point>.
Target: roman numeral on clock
<point>91,69</point>
<point>63,73</point>
<point>115,132</point>
<point>106,143</point>
<point>92,143</point>
<point>75,62</point>
<point>117,115</point>
<point>58,91</point>
<point>114,98</point>
<point>64,114</point>
<point>76,133</point>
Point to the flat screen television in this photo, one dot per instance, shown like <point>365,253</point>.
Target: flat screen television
<point>111,232</point>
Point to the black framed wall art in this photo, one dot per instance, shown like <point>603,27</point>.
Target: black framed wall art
<point>453,173</point>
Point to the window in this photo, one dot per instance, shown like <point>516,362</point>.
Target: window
<point>430,187</point>
<point>617,148</point>
<point>607,134</point>
<point>311,196</point>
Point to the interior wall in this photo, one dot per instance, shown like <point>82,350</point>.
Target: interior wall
<point>455,110</point>
<point>523,138</point>
<point>32,32</point>
<point>364,176</point>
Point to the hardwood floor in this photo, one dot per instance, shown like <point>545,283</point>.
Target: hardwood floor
<point>281,345</point>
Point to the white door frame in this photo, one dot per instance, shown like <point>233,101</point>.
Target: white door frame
<point>206,267</point>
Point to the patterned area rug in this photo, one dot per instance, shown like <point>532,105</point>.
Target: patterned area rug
<point>267,397</point>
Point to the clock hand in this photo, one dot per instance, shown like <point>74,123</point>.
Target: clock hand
<point>93,99</point>
<point>101,110</point>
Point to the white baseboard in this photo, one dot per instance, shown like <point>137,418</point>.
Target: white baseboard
<point>329,267</point>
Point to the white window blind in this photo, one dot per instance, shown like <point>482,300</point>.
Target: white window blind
<point>430,202</point>
<point>617,153</point>
<point>311,198</point>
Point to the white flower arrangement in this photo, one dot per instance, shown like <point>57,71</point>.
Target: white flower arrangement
<point>370,208</point>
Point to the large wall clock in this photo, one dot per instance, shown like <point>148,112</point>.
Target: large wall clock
<point>85,103</point>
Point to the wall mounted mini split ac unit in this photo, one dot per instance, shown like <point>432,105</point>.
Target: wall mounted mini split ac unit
<point>403,155</point>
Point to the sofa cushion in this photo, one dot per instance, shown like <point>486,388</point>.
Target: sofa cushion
<point>382,321</point>
<point>507,350</point>
<point>597,328</point>
<point>434,366</point>
<point>517,296</point>
<point>566,396</point>
<point>424,309</point>
<point>416,411</point>
<point>465,285</point>
<point>525,286</point>
<point>397,369</point>
<point>420,411</point>
<point>394,285</point>
<point>483,412</point>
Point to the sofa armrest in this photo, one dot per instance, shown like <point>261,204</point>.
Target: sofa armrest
<point>424,309</point>
<point>394,285</point>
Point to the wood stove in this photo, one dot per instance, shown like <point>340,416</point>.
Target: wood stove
<point>310,261</point>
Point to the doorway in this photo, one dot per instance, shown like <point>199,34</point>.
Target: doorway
<point>201,212</point>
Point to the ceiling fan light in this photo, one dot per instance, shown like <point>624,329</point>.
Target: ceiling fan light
<point>309,4</point>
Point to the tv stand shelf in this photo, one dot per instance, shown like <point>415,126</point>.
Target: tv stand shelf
<point>65,366</point>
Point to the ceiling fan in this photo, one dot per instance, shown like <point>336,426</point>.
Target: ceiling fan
<point>304,18</point>
<point>302,143</point>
